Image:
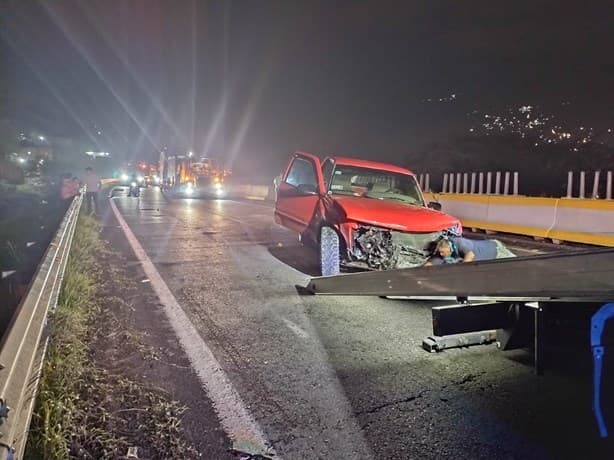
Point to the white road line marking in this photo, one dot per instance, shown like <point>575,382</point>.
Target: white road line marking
<point>297,330</point>
<point>234,416</point>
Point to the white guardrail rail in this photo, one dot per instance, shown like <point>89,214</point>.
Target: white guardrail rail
<point>23,346</point>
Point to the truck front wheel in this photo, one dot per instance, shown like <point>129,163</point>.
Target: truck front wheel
<point>329,251</point>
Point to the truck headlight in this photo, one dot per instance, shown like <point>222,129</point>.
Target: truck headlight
<point>456,230</point>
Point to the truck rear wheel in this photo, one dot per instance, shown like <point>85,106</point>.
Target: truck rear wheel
<point>329,251</point>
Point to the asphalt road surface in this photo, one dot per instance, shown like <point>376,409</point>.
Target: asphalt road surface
<point>344,377</point>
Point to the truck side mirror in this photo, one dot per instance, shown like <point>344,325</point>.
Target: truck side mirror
<point>434,205</point>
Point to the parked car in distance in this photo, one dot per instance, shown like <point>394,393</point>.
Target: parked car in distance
<point>359,213</point>
<point>126,179</point>
<point>152,180</point>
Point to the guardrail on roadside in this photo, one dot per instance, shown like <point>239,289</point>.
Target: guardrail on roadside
<point>588,221</point>
<point>22,349</point>
<point>483,182</point>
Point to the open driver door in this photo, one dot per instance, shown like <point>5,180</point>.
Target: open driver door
<point>299,192</point>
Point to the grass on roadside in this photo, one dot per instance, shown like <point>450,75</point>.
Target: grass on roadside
<point>83,410</point>
<point>58,399</point>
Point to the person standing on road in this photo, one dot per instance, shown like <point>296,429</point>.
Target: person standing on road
<point>458,249</point>
<point>92,187</point>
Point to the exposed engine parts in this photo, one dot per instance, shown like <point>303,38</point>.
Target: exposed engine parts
<point>374,246</point>
<point>382,249</point>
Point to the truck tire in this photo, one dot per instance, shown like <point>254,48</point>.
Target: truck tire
<point>329,252</point>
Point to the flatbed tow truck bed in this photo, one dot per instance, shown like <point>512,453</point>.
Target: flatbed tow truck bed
<point>579,275</point>
<point>503,300</point>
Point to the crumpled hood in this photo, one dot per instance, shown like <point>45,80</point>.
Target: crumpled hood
<point>394,215</point>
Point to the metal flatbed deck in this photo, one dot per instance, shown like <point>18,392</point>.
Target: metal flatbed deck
<point>563,277</point>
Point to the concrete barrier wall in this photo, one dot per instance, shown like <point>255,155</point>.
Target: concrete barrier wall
<point>566,219</point>
<point>252,192</point>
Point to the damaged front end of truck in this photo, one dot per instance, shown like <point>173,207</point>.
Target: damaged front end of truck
<point>376,248</point>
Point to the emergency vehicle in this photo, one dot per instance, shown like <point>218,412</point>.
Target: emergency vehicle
<point>192,176</point>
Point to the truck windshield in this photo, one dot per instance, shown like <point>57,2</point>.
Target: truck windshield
<point>375,183</point>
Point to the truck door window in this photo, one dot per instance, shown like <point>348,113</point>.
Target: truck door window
<point>302,173</point>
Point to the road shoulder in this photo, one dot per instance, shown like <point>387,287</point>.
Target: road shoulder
<point>141,344</point>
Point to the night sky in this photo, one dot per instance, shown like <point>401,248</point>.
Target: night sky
<point>251,81</point>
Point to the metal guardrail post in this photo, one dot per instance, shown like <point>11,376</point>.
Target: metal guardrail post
<point>596,185</point>
<point>569,184</point>
<point>506,183</point>
<point>23,346</point>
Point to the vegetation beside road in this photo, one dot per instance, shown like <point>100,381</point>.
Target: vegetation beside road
<point>24,210</point>
<point>85,407</point>
<point>29,216</point>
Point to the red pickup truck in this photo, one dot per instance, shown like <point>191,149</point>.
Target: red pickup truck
<point>359,213</point>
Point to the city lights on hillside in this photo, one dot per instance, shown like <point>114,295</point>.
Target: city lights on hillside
<point>32,139</point>
<point>449,98</point>
<point>526,122</point>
